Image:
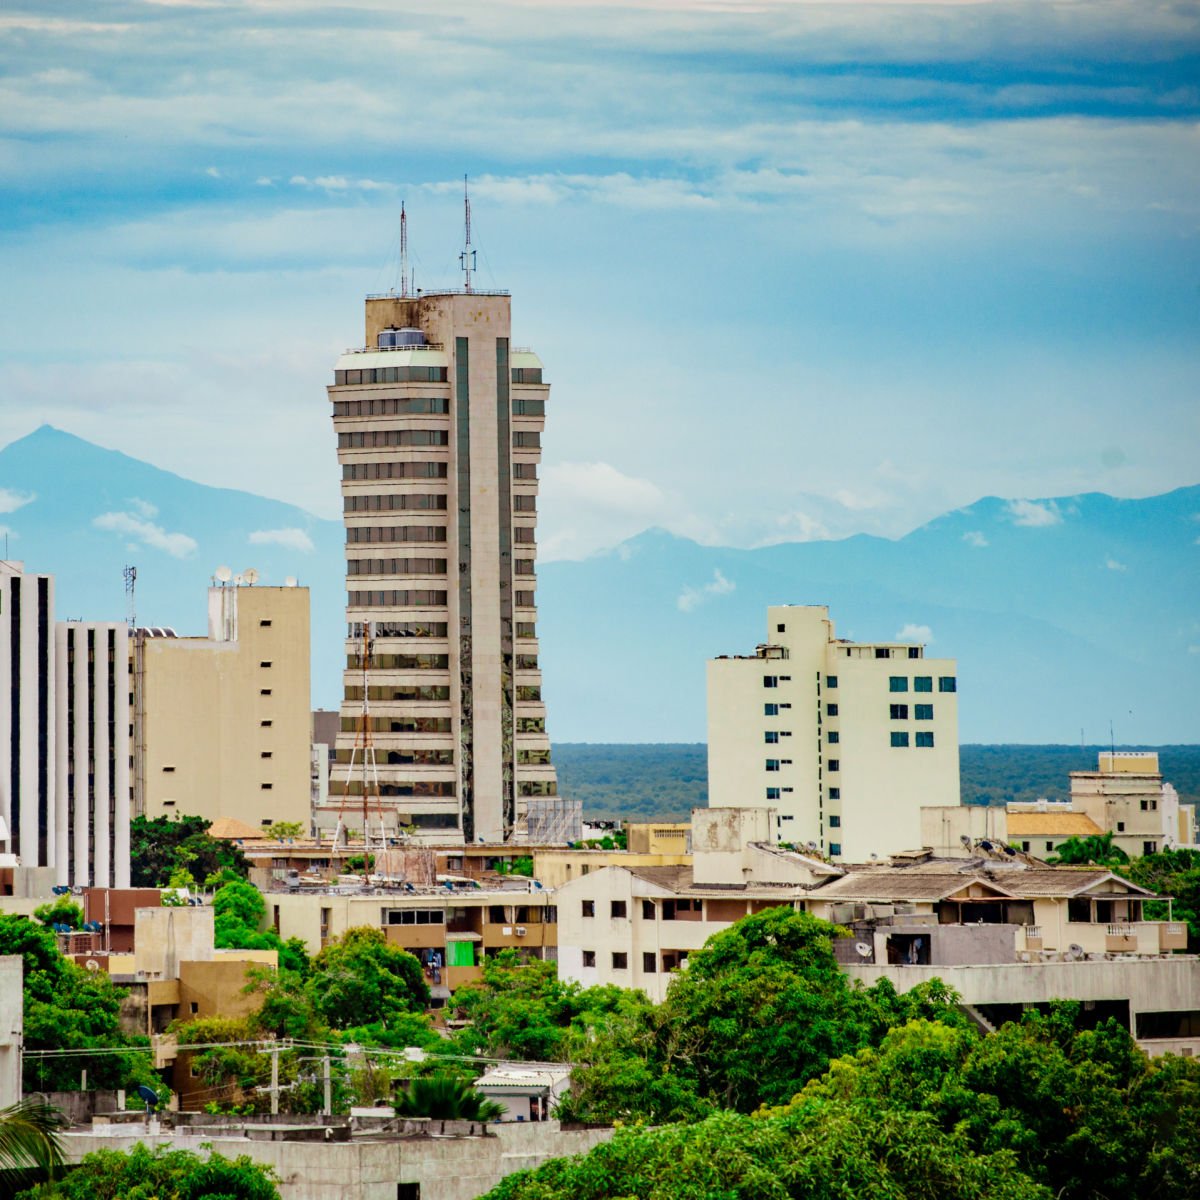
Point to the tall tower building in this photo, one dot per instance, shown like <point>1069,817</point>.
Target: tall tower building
<point>439,425</point>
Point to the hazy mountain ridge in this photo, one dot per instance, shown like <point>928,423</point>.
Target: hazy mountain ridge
<point>1063,613</point>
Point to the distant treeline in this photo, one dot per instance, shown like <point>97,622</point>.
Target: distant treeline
<point>666,781</point>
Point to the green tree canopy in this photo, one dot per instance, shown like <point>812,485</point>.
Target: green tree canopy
<point>164,845</point>
<point>445,1097</point>
<point>60,911</point>
<point>1173,873</point>
<point>361,978</point>
<point>239,910</point>
<point>1098,848</point>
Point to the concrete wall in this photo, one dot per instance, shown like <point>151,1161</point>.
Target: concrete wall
<point>447,1168</point>
<point>166,937</point>
<point>12,1024</point>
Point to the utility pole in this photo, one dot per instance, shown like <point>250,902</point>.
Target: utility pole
<point>327,1108</point>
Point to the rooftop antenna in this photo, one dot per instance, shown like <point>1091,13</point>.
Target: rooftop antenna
<point>403,251</point>
<point>467,257</point>
<point>130,574</point>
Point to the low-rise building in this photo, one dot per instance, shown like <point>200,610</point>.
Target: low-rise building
<point>1126,796</point>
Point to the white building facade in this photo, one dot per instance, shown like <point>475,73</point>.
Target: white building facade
<point>846,741</point>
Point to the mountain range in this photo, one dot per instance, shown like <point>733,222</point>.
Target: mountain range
<point>1064,614</point>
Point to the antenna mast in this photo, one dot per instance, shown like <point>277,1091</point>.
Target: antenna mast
<point>130,574</point>
<point>403,251</point>
<point>467,257</point>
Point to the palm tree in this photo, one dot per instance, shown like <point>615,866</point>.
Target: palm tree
<point>444,1097</point>
<point>29,1142</point>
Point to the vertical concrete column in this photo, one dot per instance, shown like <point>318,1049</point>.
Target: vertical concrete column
<point>121,784</point>
<point>102,791</point>
<point>79,797</point>
<point>62,754</point>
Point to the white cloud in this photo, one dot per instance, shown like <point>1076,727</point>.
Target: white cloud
<point>10,501</point>
<point>1112,564</point>
<point>177,545</point>
<point>915,633</point>
<point>973,537</point>
<point>691,597</point>
<point>144,508</point>
<point>291,539</point>
<point>1031,513</point>
<point>212,172</point>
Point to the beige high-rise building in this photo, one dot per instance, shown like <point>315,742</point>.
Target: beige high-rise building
<point>222,723</point>
<point>845,741</point>
<point>439,424</point>
<point>1126,797</point>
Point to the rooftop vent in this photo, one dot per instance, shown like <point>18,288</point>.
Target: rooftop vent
<point>390,339</point>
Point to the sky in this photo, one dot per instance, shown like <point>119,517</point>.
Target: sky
<point>795,270</point>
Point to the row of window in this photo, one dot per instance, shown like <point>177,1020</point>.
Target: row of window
<point>529,408</point>
<point>371,439</point>
<point>523,599</point>
<point>523,566</point>
<point>396,724</point>
<point>528,691</point>
<point>524,502</point>
<point>399,629</point>
<point>357,534</point>
<point>922,683</point>
<point>391,406</point>
<point>526,440</point>
<point>619,909</point>
<point>402,692</point>
<point>671,960</point>
<point>408,756</point>
<point>393,470</point>
<point>393,502</point>
<point>421,598</point>
<point>921,712</point>
<point>429,788</point>
<point>772,710</point>
<point>925,740</point>
<point>406,374</point>
<point>400,662</point>
<point>396,566</point>
<point>771,736</point>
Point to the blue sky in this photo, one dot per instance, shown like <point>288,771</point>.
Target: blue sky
<point>796,270</point>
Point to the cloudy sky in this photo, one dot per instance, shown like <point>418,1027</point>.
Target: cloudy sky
<point>796,270</point>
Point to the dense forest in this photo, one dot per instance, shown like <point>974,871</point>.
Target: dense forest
<point>666,781</point>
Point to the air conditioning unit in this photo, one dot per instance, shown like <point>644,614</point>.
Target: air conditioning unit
<point>520,931</point>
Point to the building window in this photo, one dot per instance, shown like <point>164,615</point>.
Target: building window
<point>265,692</point>
<point>649,962</point>
<point>831,681</point>
<point>835,793</point>
<point>194,1007</point>
<point>772,793</point>
<point>1049,845</point>
<point>264,724</point>
<point>264,624</point>
<point>831,710</point>
<point>589,958</point>
<point>1025,847</point>
<point>781,629</point>
<point>835,822</point>
<point>770,681</point>
<point>770,710</point>
<point>899,739</point>
<point>925,739</point>
<point>882,652</point>
<point>772,764</point>
<point>266,787</point>
<point>898,712</point>
<point>265,754</point>
<point>947,683</point>
<point>898,683</point>
<point>620,960</point>
<point>923,683</point>
<point>832,738</point>
<point>264,664</point>
<point>771,737</point>
<point>648,910</point>
<point>924,712</point>
<point>914,652</point>
<point>835,847</point>
<point>835,764</point>
<point>619,910</point>
<point>169,770</point>
<point>588,908</point>
<point>1149,847</point>
<point>1120,826</point>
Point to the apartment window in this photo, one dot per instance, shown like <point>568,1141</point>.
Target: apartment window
<point>1145,806</point>
<point>772,793</point>
<point>785,679</point>
<point>266,624</point>
<point>772,736</point>
<point>835,793</point>
<point>882,652</point>
<point>835,822</point>
<point>1025,847</point>
<point>770,710</point>
<point>589,958</point>
<point>898,712</point>
<point>835,848</point>
<point>265,754</point>
<point>899,739</point>
<point>408,1191</point>
<point>266,787</point>
<point>925,739</point>
<point>924,712</point>
<point>898,683</point>
<point>168,770</point>
<point>781,629</point>
<point>1049,845</point>
<point>647,910</point>
<point>831,681</point>
<point>914,652</point>
<point>264,724</point>
<point>620,960</point>
<point>1149,847</point>
<point>168,803</point>
<point>265,692</point>
<point>831,710</point>
<point>619,910</point>
<point>772,764</point>
<point>922,683</point>
<point>835,764</point>
<point>649,962</point>
<point>264,664</point>
<point>770,681</point>
<point>1120,826</point>
<point>832,738</point>
<point>194,1007</point>
<point>947,683</point>
<point>588,908</point>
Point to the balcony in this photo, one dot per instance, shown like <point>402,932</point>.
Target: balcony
<point>1120,939</point>
<point>1172,935</point>
<point>1033,937</point>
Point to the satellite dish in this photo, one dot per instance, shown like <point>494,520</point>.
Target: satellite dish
<point>290,581</point>
<point>1075,950</point>
<point>250,576</point>
<point>984,844</point>
<point>77,890</point>
<point>863,949</point>
<point>810,846</point>
<point>92,965</point>
<point>223,574</point>
<point>149,1095</point>
<point>237,581</point>
<point>966,841</point>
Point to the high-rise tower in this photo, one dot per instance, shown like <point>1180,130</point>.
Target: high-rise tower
<point>439,426</point>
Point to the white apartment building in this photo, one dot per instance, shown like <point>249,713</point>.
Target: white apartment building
<point>439,422</point>
<point>1126,796</point>
<point>847,741</point>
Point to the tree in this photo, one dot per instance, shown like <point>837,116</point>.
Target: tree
<point>239,910</point>
<point>1173,873</point>
<point>1098,848</point>
<point>284,829</point>
<point>145,1174</point>
<point>361,978</point>
<point>29,1143</point>
<point>445,1097</point>
<point>60,912</point>
<point>163,845</point>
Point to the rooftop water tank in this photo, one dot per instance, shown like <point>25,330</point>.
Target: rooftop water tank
<point>408,337</point>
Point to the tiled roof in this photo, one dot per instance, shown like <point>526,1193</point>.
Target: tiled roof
<point>886,885</point>
<point>1051,824</point>
<point>231,829</point>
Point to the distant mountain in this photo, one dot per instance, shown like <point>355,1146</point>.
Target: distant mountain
<point>1063,614</point>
